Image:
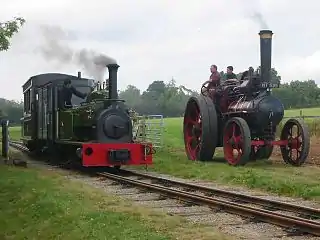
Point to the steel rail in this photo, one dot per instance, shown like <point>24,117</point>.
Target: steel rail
<point>303,225</point>
<point>272,204</point>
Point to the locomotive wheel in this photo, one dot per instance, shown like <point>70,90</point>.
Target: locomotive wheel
<point>297,134</point>
<point>200,128</point>
<point>237,141</point>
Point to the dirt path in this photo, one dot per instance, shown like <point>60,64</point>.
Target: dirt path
<point>314,154</point>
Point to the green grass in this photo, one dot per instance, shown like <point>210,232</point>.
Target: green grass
<point>41,204</point>
<point>269,176</point>
<point>304,111</point>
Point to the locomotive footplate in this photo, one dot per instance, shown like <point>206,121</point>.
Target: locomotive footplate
<point>118,156</point>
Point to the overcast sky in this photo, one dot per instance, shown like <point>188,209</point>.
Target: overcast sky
<point>160,39</point>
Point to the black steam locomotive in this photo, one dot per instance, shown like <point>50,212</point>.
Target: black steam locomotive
<point>95,132</point>
<point>242,115</point>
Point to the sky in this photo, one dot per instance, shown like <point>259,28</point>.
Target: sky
<point>159,39</point>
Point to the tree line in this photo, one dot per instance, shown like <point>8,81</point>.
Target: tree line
<point>170,100</point>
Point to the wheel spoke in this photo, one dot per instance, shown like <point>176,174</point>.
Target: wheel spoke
<point>233,129</point>
<point>195,150</point>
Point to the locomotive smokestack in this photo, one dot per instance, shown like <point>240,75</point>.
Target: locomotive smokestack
<point>113,80</point>
<point>265,54</point>
<point>79,74</point>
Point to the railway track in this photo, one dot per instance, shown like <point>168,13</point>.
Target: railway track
<point>295,219</point>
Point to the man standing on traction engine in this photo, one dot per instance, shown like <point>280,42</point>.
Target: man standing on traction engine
<point>214,80</point>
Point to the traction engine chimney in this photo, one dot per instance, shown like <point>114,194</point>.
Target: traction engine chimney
<point>265,54</point>
<point>113,80</point>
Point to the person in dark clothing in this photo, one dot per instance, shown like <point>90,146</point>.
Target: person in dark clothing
<point>230,74</point>
<point>66,94</point>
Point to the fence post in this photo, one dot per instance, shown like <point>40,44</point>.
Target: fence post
<point>301,116</point>
<point>5,138</point>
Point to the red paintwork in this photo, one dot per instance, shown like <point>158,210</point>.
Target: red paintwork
<point>224,100</point>
<point>99,156</point>
<point>232,134</point>
<point>189,124</point>
<point>294,143</point>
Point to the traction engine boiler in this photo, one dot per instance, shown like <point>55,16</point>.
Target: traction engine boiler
<point>242,115</point>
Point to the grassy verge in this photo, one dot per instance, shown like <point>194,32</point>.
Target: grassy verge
<point>38,204</point>
<point>268,176</point>
<point>272,177</point>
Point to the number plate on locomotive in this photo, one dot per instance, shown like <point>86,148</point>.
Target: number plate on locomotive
<point>269,85</point>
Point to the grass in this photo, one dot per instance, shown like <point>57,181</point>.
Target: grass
<point>268,176</point>
<point>302,112</point>
<point>43,204</point>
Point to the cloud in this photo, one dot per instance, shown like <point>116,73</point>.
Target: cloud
<point>160,39</point>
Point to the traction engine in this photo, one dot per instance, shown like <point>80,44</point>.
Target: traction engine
<point>242,115</point>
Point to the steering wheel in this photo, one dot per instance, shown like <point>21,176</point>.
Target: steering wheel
<point>205,89</point>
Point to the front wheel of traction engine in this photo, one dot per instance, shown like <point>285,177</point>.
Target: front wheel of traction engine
<point>200,128</point>
<point>237,141</point>
<point>297,134</point>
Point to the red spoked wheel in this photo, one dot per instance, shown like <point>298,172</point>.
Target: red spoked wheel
<point>200,128</point>
<point>237,141</point>
<point>297,134</point>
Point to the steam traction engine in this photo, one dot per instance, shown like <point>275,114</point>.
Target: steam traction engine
<point>242,117</point>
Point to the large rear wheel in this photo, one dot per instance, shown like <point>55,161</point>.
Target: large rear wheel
<point>200,128</point>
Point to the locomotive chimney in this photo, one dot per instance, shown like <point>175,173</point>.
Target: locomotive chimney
<point>265,54</point>
<point>79,74</point>
<point>113,80</point>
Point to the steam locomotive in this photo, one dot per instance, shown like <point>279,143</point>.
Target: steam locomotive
<point>96,132</point>
<point>242,115</point>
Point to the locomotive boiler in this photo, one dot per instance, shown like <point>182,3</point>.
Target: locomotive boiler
<point>242,115</point>
<point>95,132</point>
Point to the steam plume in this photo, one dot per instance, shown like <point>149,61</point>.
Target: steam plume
<point>56,48</point>
<point>258,18</point>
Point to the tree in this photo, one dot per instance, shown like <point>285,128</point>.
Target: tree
<point>275,78</point>
<point>131,95</point>
<point>7,30</point>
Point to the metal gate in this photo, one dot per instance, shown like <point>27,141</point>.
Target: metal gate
<point>148,128</point>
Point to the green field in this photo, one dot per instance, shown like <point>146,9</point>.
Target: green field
<point>305,112</point>
<point>268,176</point>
